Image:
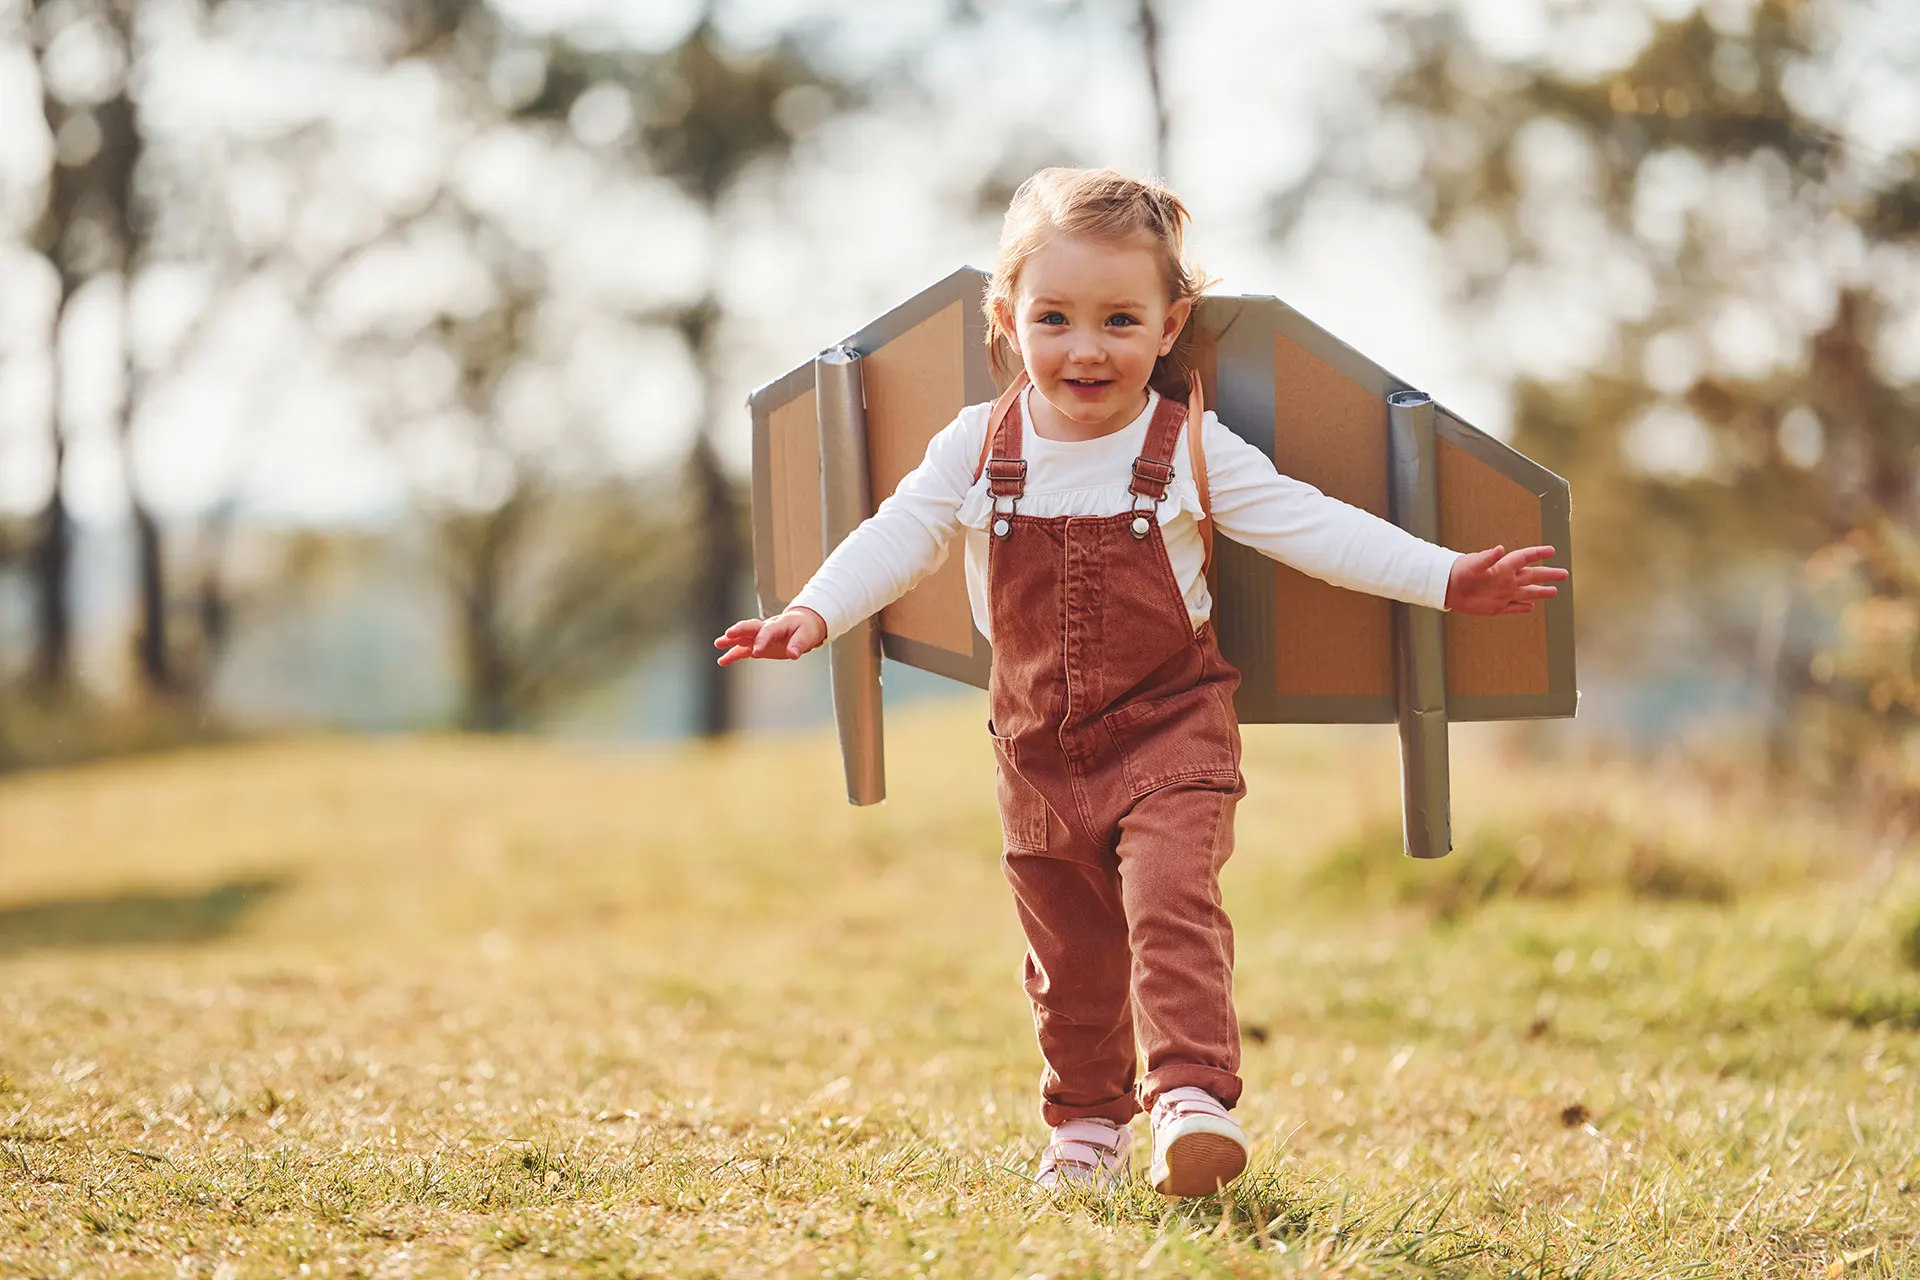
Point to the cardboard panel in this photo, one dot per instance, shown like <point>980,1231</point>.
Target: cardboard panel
<point>794,460</point>
<point>916,385</point>
<point>1480,507</point>
<point>922,362</point>
<point>1330,432</point>
<point>1206,359</point>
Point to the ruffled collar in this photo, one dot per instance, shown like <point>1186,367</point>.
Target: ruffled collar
<point>976,509</point>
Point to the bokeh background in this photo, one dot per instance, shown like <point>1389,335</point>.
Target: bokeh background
<point>381,364</point>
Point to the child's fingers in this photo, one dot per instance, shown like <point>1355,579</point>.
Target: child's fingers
<point>1517,606</point>
<point>1526,557</point>
<point>734,655</point>
<point>1481,561</point>
<point>774,632</point>
<point>741,632</point>
<point>1537,592</point>
<point>777,638</point>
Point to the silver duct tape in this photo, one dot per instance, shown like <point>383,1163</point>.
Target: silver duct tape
<point>846,497</point>
<point>1419,636</point>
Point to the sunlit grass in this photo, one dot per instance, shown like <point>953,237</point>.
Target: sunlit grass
<point>452,1006</point>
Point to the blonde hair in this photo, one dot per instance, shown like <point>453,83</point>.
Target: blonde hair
<point>1102,205</point>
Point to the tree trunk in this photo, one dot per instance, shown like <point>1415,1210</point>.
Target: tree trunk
<point>213,601</point>
<point>1150,35</point>
<point>482,549</point>
<point>716,586</point>
<point>150,641</point>
<point>488,702</point>
<point>721,564</point>
<point>50,559</point>
<point>51,564</point>
<point>121,145</point>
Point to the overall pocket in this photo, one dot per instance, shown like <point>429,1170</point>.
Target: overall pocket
<point>1023,811</point>
<point>1184,737</point>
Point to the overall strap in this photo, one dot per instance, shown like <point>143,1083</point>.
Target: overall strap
<point>1002,444</point>
<point>1153,469</point>
<point>1000,457</point>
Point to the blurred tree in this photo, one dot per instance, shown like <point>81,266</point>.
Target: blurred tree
<point>123,145</point>
<point>558,572</point>
<point>1152,53</point>
<point>94,226</point>
<point>712,114</point>
<point>706,114</point>
<point>559,578</point>
<point>61,237</point>
<point>1745,399</point>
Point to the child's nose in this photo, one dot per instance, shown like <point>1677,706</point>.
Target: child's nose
<point>1086,347</point>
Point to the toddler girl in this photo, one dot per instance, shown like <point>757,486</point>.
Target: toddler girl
<point>1087,494</point>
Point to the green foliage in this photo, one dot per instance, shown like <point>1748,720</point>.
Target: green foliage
<point>39,730</point>
<point>1564,856</point>
<point>1698,471</point>
<point>1907,933</point>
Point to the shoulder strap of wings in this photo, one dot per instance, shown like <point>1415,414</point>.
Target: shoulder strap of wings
<point>1197,453</point>
<point>994,419</point>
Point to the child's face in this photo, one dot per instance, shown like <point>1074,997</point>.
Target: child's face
<point>1090,319</point>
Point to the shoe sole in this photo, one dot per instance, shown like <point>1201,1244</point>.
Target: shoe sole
<point>1199,1164</point>
<point>1099,1184</point>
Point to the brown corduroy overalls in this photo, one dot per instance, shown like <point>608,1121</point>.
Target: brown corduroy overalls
<point>1119,757</point>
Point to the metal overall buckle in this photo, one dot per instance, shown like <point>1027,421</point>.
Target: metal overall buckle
<point>1005,472</point>
<point>1142,516</point>
<point>1148,472</point>
<point>1003,520</point>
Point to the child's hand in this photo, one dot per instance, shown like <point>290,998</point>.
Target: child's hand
<point>786,635</point>
<point>1496,581</point>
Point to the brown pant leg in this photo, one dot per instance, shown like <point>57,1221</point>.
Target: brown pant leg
<point>1077,971</point>
<point>1172,845</point>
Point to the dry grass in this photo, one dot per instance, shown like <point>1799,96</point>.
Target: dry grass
<point>453,1007</point>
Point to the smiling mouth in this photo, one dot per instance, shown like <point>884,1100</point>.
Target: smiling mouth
<point>1088,382</point>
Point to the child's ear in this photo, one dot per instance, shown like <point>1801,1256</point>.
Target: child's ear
<point>1003,316</point>
<point>1176,321</point>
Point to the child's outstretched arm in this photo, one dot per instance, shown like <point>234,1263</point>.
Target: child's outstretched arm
<point>876,564</point>
<point>1294,523</point>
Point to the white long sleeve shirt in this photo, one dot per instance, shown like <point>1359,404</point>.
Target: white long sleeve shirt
<point>1287,519</point>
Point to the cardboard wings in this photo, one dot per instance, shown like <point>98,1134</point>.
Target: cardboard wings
<point>832,439</point>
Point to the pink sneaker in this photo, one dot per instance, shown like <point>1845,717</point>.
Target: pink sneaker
<point>1197,1146</point>
<point>1091,1153</point>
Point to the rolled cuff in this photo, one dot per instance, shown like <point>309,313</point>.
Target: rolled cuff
<point>814,597</point>
<point>1436,594</point>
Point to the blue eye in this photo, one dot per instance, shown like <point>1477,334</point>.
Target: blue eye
<point>1121,319</point>
<point>1053,317</point>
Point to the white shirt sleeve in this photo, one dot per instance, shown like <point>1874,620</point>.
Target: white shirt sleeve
<point>907,538</point>
<point>1296,524</point>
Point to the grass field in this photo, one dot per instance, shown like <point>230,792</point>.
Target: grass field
<point>449,1007</point>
